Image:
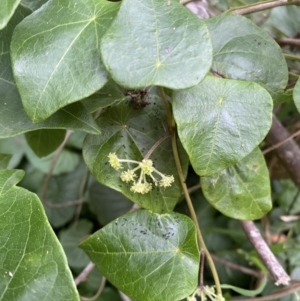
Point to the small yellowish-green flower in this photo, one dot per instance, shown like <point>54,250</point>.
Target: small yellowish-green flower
<point>146,169</point>
<point>140,187</point>
<point>147,166</point>
<point>206,293</point>
<point>114,161</point>
<point>128,176</point>
<point>166,181</point>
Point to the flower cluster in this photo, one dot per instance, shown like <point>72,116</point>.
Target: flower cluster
<point>205,291</point>
<point>146,169</point>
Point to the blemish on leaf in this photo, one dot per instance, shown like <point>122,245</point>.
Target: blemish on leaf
<point>254,167</point>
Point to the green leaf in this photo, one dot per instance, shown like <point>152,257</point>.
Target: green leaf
<point>55,54</point>
<point>15,148</point>
<point>244,51</point>
<point>282,96</point>
<point>106,203</point>
<point>173,50</point>
<point>8,8</point>
<point>66,163</point>
<point>221,121</point>
<point>32,262</point>
<point>296,95</point>
<point>33,4</point>
<point>242,191</point>
<point>285,19</point>
<point>70,238</point>
<point>248,293</point>
<point>63,190</point>
<point>150,257</point>
<point>13,119</point>
<point>107,96</point>
<point>4,160</point>
<point>131,133</point>
<point>45,142</point>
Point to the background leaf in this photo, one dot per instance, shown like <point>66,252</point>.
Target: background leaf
<point>45,142</point>
<point>161,252</point>
<point>285,19</point>
<point>174,49</point>
<point>66,162</point>
<point>4,160</point>
<point>296,95</point>
<point>131,133</point>
<point>32,262</point>
<point>63,189</point>
<point>70,238</point>
<point>55,54</point>
<point>7,10</point>
<point>248,53</point>
<point>221,121</point>
<point>106,203</point>
<point>242,191</point>
<point>33,4</point>
<point>15,148</point>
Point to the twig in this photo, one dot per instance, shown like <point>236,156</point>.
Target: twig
<point>274,296</point>
<point>85,272</point>
<point>237,267</point>
<point>52,166</point>
<point>288,153</point>
<point>291,57</point>
<point>288,41</point>
<point>202,261</point>
<point>156,144</point>
<point>249,9</point>
<point>194,188</point>
<point>268,258</point>
<point>102,285</point>
<point>124,297</point>
<point>269,149</point>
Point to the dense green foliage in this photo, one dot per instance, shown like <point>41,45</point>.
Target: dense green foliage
<point>111,109</point>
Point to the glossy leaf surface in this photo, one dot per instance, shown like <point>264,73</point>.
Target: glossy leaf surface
<point>7,10</point>
<point>244,51</point>
<point>32,263</point>
<point>157,261</point>
<point>55,54</point>
<point>173,49</point>
<point>242,191</point>
<point>13,119</point>
<point>221,121</point>
<point>130,133</point>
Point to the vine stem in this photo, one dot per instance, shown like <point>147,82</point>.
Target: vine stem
<point>201,242</point>
<point>291,56</point>
<point>257,7</point>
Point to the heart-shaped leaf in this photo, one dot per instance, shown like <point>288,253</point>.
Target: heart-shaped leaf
<point>248,53</point>
<point>13,120</point>
<point>173,50</point>
<point>55,53</point>
<point>32,262</point>
<point>221,121</point>
<point>130,133</point>
<point>241,191</point>
<point>7,10</point>
<point>296,95</point>
<point>150,257</point>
